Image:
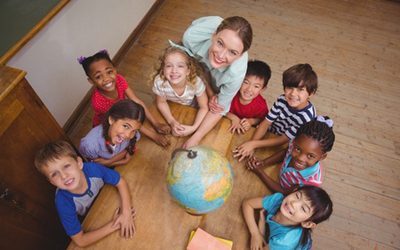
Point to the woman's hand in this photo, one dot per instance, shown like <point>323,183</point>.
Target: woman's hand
<point>191,142</point>
<point>177,128</point>
<point>213,105</point>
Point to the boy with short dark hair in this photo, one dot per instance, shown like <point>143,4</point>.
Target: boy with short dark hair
<point>248,107</point>
<point>77,185</point>
<point>290,111</point>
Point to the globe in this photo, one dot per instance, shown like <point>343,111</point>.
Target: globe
<point>199,179</point>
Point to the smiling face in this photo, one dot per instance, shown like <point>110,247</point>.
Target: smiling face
<point>250,89</point>
<point>226,47</point>
<point>296,209</point>
<point>122,129</point>
<point>297,97</point>
<point>102,74</point>
<point>66,173</point>
<point>306,152</point>
<point>176,69</point>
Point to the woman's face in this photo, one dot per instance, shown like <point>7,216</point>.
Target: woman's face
<point>226,47</point>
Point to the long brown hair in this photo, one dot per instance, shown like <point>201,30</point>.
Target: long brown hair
<point>124,109</point>
<point>241,26</point>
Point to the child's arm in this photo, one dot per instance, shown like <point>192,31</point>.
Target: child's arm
<point>126,218</point>
<point>83,239</point>
<point>202,101</point>
<point>209,121</point>
<point>248,207</point>
<point>163,106</point>
<point>268,181</point>
<point>161,140</point>
<point>119,159</point>
<point>160,127</point>
<point>247,148</point>
<point>277,157</point>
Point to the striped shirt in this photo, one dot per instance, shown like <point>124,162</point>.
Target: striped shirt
<point>286,120</point>
<point>289,176</point>
<point>164,89</point>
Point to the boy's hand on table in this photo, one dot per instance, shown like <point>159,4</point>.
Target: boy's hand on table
<point>244,150</point>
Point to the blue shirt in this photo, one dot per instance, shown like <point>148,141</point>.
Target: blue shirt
<point>281,237</point>
<point>69,205</point>
<point>225,81</point>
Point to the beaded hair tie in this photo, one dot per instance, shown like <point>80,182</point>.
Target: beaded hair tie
<point>82,59</point>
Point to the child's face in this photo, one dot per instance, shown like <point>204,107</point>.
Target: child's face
<point>250,89</point>
<point>306,152</point>
<point>296,208</point>
<point>297,97</point>
<point>102,75</point>
<point>65,173</point>
<point>226,47</point>
<point>122,129</point>
<point>176,69</point>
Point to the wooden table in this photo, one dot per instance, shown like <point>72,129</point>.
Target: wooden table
<point>160,222</point>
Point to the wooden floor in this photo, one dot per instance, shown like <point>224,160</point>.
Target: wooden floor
<point>354,46</point>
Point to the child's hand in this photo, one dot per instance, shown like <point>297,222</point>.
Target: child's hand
<point>244,150</point>
<point>115,220</point>
<point>162,128</point>
<point>162,140</point>
<point>235,127</point>
<point>257,241</point>
<point>187,130</point>
<point>254,164</point>
<point>245,124</point>
<point>127,223</point>
<point>177,129</point>
<point>213,105</point>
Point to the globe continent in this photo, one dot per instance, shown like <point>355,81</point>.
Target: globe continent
<point>201,184</point>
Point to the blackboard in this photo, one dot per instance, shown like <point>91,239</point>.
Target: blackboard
<point>21,19</point>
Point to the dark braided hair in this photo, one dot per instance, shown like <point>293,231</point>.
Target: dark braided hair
<point>319,130</point>
<point>124,109</point>
<point>322,207</point>
<point>87,61</point>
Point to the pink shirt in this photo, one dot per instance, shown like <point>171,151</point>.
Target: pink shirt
<point>101,104</point>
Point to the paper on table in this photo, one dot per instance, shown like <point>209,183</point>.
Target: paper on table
<point>205,241</point>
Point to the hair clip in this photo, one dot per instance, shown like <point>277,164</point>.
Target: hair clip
<point>103,51</point>
<point>326,120</point>
<point>81,59</point>
<point>181,47</point>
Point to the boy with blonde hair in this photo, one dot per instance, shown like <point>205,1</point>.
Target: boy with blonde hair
<point>77,185</point>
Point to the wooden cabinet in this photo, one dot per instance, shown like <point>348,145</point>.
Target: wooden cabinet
<point>27,212</point>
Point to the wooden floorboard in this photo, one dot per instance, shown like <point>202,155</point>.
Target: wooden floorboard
<point>354,46</point>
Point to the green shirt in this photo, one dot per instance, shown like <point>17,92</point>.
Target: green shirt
<point>225,81</point>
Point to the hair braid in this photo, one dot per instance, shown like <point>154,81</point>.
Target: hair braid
<point>320,131</point>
